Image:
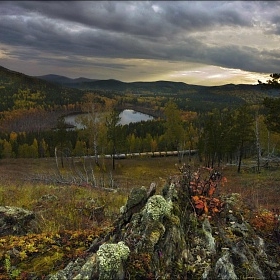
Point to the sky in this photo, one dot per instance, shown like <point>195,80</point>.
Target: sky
<point>196,42</point>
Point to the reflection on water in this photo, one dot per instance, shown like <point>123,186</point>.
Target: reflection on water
<point>127,116</point>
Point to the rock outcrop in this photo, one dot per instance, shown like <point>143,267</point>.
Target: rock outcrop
<point>163,237</point>
<point>15,220</point>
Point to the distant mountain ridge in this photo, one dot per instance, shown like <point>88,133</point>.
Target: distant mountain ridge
<point>52,89</point>
<point>112,84</point>
<point>236,93</point>
<point>63,80</point>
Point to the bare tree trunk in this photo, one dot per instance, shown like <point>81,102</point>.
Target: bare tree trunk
<point>268,143</point>
<point>240,157</point>
<point>56,160</point>
<point>113,157</point>
<point>258,144</point>
<point>85,169</point>
<point>61,157</point>
<point>95,149</point>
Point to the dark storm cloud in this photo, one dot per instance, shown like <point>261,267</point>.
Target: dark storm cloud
<point>162,30</point>
<point>236,56</point>
<point>276,25</point>
<point>139,18</point>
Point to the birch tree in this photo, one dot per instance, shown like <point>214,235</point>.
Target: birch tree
<point>174,132</point>
<point>92,120</point>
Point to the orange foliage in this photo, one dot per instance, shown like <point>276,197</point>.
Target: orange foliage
<point>264,221</point>
<point>202,191</point>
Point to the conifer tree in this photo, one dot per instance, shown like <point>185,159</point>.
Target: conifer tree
<point>243,131</point>
<point>272,105</point>
<point>112,121</point>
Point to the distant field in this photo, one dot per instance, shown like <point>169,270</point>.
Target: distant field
<point>260,189</point>
<point>128,172</point>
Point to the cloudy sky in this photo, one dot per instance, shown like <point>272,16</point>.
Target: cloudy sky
<point>196,42</point>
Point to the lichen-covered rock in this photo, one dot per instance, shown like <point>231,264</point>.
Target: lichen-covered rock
<point>162,237</point>
<point>73,269</point>
<point>15,220</point>
<point>157,207</point>
<point>88,270</point>
<point>224,269</point>
<point>136,200</point>
<point>209,239</point>
<point>110,260</point>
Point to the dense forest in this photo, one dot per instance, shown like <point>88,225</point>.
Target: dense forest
<point>224,124</point>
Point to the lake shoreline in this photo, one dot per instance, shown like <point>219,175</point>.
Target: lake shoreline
<point>127,115</point>
<point>140,109</point>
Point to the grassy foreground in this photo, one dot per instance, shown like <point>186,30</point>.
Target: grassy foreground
<point>65,225</point>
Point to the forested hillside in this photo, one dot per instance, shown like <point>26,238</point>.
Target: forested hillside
<point>18,91</point>
<point>221,95</point>
<point>64,81</point>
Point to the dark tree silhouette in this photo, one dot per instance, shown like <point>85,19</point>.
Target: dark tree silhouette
<point>273,105</point>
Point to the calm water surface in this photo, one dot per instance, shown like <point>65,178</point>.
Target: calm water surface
<point>127,116</point>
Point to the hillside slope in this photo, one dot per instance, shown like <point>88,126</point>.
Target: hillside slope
<point>19,90</point>
<point>65,81</point>
<point>230,93</point>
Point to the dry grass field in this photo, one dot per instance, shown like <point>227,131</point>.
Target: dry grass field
<point>262,190</point>
<point>64,226</point>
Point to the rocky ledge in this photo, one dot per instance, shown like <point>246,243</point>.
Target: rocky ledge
<point>167,236</point>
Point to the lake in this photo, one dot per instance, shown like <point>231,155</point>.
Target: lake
<point>127,116</point>
<point>130,116</point>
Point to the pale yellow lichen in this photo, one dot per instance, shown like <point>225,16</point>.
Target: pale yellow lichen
<point>154,237</point>
<point>110,259</point>
<point>157,207</point>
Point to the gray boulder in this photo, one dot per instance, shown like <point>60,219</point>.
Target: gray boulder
<point>15,220</point>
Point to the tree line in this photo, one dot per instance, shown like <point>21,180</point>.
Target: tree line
<point>219,136</point>
<point>226,135</point>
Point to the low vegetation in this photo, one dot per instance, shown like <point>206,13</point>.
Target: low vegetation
<point>66,224</point>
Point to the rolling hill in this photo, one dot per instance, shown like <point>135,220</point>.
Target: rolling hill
<point>160,87</point>
<point>65,81</point>
<point>53,89</point>
<point>230,93</point>
<point>16,88</point>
